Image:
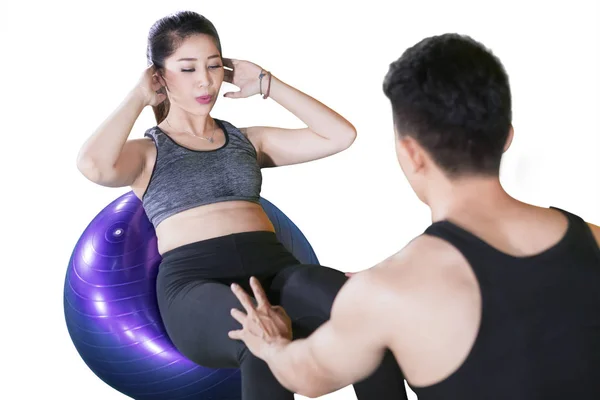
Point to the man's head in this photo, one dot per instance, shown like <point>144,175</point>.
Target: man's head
<point>452,113</point>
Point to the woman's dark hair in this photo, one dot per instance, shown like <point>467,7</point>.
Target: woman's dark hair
<point>452,95</point>
<point>166,35</point>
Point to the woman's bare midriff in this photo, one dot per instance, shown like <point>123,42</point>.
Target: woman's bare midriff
<point>209,221</point>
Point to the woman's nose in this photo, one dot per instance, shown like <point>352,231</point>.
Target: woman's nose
<point>203,78</point>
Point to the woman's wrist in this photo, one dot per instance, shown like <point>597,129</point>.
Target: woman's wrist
<point>264,84</point>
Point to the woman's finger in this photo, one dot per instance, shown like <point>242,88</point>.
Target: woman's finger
<point>234,95</point>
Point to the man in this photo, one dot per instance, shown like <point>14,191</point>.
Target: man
<point>498,299</point>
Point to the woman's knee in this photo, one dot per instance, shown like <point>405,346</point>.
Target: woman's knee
<point>308,291</point>
<point>318,279</point>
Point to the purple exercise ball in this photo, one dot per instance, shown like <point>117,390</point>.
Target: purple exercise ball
<point>112,313</point>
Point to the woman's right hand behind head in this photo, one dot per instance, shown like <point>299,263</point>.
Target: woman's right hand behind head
<point>149,85</point>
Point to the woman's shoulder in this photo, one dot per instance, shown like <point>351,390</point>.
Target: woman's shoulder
<point>153,132</point>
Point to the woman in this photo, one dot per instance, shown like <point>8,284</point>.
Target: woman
<point>199,180</point>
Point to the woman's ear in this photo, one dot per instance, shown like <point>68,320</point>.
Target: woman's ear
<point>161,78</point>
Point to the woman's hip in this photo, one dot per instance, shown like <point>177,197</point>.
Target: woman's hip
<point>230,257</point>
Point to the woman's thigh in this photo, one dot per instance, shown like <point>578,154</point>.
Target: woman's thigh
<point>197,319</point>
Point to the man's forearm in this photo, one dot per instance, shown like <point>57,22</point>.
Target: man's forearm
<point>293,364</point>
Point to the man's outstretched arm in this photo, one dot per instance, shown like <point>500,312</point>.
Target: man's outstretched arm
<point>344,350</point>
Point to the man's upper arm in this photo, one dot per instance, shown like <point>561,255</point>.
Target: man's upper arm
<point>351,345</point>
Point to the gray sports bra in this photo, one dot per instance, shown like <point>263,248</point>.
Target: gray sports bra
<point>183,178</point>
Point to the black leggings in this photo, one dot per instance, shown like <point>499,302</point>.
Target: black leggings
<point>195,300</point>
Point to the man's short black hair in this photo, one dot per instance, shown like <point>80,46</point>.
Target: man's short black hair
<point>452,95</point>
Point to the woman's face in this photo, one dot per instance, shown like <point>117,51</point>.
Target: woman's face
<point>194,74</point>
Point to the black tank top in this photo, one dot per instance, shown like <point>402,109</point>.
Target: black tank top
<point>539,336</point>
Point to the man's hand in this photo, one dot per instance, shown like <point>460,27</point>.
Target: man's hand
<point>266,329</point>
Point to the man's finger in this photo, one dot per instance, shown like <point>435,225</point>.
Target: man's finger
<point>242,297</point>
<point>279,310</point>
<point>238,316</point>
<point>238,334</point>
<point>259,293</point>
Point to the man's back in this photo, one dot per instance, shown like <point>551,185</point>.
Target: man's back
<point>502,304</point>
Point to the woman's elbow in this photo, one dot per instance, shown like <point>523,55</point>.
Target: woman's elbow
<point>88,168</point>
<point>347,138</point>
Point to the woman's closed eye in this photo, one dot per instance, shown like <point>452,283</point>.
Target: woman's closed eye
<point>194,69</point>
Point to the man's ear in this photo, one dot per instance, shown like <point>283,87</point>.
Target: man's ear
<point>509,139</point>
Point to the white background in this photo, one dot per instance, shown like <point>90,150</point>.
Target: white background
<point>65,67</point>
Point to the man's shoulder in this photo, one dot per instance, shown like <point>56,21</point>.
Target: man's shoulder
<point>423,258</point>
<point>427,277</point>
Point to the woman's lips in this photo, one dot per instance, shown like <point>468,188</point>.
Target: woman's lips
<point>204,99</point>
